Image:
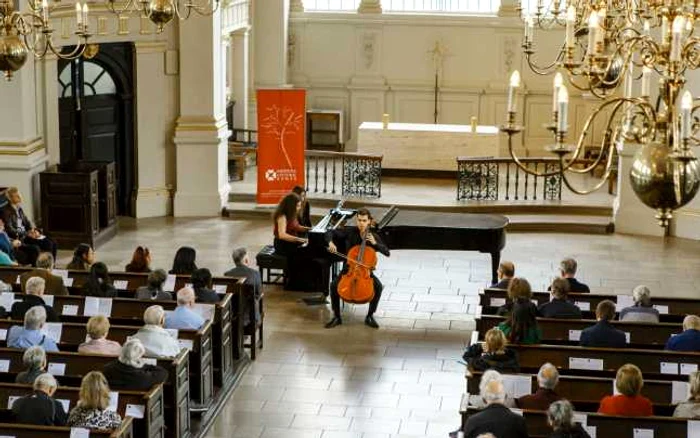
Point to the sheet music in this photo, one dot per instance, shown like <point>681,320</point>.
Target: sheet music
<point>187,344</point>
<point>498,302</point>
<point>663,310</point>
<point>48,300</point>
<point>581,417</point>
<point>693,429</point>
<point>113,401</point>
<point>121,284</point>
<point>135,411</point>
<point>627,337</point>
<point>11,400</point>
<point>669,368</point>
<point>169,285</point>
<point>584,363</point>
<point>220,289</point>
<point>61,273</point>
<point>642,433</point>
<point>97,306</point>
<point>575,335</point>
<point>68,282</point>
<point>584,306</point>
<point>65,403</point>
<point>624,301</point>
<point>79,432</point>
<point>70,309</point>
<point>592,431</point>
<point>3,334</point>
<point>56,369</point>
<point>53,330</point>
<point>687,368</point>
<point>680,392</point>
<point>6,300</point>
<point>517,385</point>
<point>150,360</point>
<point>4,365</point>
<point>206,311</point>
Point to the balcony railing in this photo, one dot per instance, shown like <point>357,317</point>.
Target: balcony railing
<point>350,174</point>
<point>235,14</point>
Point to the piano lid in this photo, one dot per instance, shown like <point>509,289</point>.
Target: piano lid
<point>436,219</point>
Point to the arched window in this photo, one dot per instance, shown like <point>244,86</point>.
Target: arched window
<point>96,80</point>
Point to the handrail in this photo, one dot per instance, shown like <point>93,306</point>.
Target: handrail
<point>331,154</point>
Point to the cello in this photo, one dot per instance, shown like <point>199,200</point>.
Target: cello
<point>356,285</point>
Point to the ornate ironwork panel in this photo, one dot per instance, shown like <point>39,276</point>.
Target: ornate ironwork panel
<point>362,177</point>
<point>477,180</point>
<point>552,184</point>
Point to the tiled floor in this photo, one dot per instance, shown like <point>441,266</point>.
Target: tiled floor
<point>402,380</point>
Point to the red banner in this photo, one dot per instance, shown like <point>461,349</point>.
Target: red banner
<point>281,142</point>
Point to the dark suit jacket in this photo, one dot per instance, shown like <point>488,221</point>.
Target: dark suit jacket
<point>689,340</point>
<point>603,334</point>
<point>503,284</point>
<point>40,409</point>
<point>10,217</point>
<point>29,301</point>
<point>498,420</point>
<point>577,286</point>
<point>121,376</point>
<point>559,309</point>
<point>206,295</point>
<point>54,283</point>
<point>539,401</point>
<point>252,277</point>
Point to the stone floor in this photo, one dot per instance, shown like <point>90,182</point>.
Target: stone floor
<point>402,380</point>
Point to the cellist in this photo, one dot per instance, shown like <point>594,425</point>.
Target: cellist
<point>352,237</point>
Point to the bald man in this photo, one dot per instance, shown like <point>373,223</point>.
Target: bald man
<point>547,379</point>
<point>689,340</point>
<point>184,316</point>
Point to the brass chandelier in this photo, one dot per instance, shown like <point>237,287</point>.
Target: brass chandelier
<point>162,12</point>
<point>610,46</point>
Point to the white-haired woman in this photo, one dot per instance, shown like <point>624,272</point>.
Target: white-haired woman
<point>155,338</point>
<point>691,407</point>
<point>130,371</point>
<point>642,310</point>
<point>34,359</point>
<point>91,411</point>
<point>560,417</point>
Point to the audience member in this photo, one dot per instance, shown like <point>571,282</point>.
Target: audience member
<point>184,261</point>
<point>506,271</point>
<point>83,258</point>
<point>184,317</point>
<point>18,251</point>
<point>34,360</point>
<point>519,291</point>
<point>689,340</point>
<point>7,245</point>
<point>691,407</point>
<point>98,283</point>
<point>521,327</point>
<point>201,283</point>
<point>40,407</point>
<point>97,342</point>
<point>19,227</point>
<point>154,287</point>
<point>477,401</point>
<point>560,417</point>
<point>243,269</point>
<point>492,355</point>
<point>6,260</point>
<point>30,333</point>
<point>34,290</point>
<point>91,411</point>
<point>140,261</point>
<point>547,379</point>
<point>629,402</point>
<point>130,372</point>
<point>495,418</point>
<point>642,310</point>
<point>559,306</point>
<point>155,339</point>
<point>304,215</point>
<point>603,334</point>
<point>568,268</point>
<point>44,265</point>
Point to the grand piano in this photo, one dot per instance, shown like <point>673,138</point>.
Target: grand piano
<point>407,229</point>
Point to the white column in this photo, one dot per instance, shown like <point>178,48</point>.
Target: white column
<point>240,81</point>
<point>508,8</point>
<point>271,27</point>
<point>370,7</point>
<point>630,215</point>
<point>22,148</point>
<point>296,6</point>
<point>201,131</point>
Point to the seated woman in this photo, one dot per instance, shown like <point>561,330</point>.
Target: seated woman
<point>519,290</point>
<point>184,261</point>
<point>140,261</point>
<point>492,355</point>
<point>304,215</point>
<point>40,407</point>
<point>98,283</point>
<point>201,284</point>
<point>91,411</point>
<point>642,310</point>
<point>19,227</point>
<point>560,417</point>
<point>691,407</point>
<point>34,360</point>
<point>97,343</point>
<point>131,372</point>
<point>18,252</point>
<point>154,287</point>
<point>629,401</point>
<point>83,258</point>
<point>521,326</point>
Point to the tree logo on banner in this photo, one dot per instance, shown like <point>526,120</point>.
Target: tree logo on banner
<point>281,122</point>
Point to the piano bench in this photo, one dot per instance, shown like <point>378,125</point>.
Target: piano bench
<point>272,267</point>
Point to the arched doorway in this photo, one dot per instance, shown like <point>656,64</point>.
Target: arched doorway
<point>96,114</point>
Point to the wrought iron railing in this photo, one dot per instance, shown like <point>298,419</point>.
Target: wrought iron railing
<point>491,179</point>
<point>349,174</point>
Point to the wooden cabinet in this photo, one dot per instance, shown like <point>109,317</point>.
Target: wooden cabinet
<point>324,130</point>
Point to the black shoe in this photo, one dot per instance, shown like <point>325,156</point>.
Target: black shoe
<point>369,321</point>
<point>334,322</point>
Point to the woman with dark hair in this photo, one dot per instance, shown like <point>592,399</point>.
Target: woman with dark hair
<point>83,258</point>
<point>519,291</point>
<point>184,264</point>
<point>140,261</point>
<point>304,215</point>
<point>98,283</point>
<point>521,325</point>
<point>201,283</point>
<point>154,287</point>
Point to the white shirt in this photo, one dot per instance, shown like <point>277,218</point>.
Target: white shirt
<point>157,341</point>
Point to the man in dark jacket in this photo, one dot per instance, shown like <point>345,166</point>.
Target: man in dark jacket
<point>44,265</point>
<point>603,334</point>
<point>547,379</point>
<point>568,269</point>
<point>495,418</point>
<point>252,276</point>
<point>130,372</point>
<point>689,340</point>
<point>560,306</point>
<point>40,408</point>
<point>34,291</point>
<point>506,271</point>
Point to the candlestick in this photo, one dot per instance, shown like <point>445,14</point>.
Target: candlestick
<point>629,79</point>
<point>514,83</point>
<point>45,10</point>
<point>646,81</point>
<point>647,27</point>
<point>529,28</point>
<point>664,30</point>
<point>563,99</point>
<point>686,107</point>
<point>558,81</point>
<point>678,25</point>
<point>592,32</point>
<point>85,15</point>
<point>78,14</point>
<point>570,22</point>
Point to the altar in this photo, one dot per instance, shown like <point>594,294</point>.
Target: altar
<point>418,146</point>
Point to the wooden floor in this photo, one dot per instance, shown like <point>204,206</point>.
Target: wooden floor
<point>403,379</point>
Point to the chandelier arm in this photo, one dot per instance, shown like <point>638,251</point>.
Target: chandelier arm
<point>522,166</point>
<point>130,7</point>
<point>543,71</point>
<point>603,180</point>
<point>77,52</point>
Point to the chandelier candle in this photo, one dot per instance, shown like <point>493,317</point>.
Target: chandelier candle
<point>592,33</point>
<point>686,107</point>
<point>514,83</point>
<point>85,15</point>
<point>79,14</point>
<point>646,81</point>
<point>563,99</point>
<point>570,22</point>
<point>558,81</point>
<point>678,25</point>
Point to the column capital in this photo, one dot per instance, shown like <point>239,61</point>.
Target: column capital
<point>296,6</point>
<point>509,8</point>
<point>370,7</point>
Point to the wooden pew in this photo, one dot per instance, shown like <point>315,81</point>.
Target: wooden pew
<point>606,425</point>
<point>201,383</point>
<point>176,391</point>
<point>559,331</point>
<point>678,308</point>
<point>27,431</point>
<point>150,426</point>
